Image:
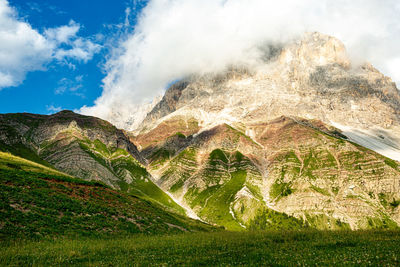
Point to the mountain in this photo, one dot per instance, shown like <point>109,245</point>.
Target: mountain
<point>37,201</point>
<point>84,147</point>
<point>304,139</point>
<point>304,136</point>
<point>311,78</point>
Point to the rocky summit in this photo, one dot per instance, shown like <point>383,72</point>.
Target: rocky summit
<point>306,134</point>
<point>312,78</point>
<point>304,139</point>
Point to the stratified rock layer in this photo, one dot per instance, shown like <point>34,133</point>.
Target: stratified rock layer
<point>264,140</point>
<point>85,147</point>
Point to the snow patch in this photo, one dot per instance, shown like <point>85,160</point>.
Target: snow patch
<point>383,144</point>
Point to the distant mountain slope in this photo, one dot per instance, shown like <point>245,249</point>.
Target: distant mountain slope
<point>81,146</point>
<point>292,166</point>
<point>37,202</point>
<point>252,142</point>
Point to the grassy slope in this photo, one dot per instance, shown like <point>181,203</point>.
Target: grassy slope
<point>219,201</point>
<point>119,161</point>
<point>305,159</point>
<point>24,152</point>
<point>225,174</point>
<point>37,202</point>
<point>14,163</point>
<point>214,249</point>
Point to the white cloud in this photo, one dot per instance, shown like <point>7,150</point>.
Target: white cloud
<point>24,49</point>
<point>393,67</point>
<point>81,50</point>
<point>63,34</point>
<point>174,38</point>
<point>53,109</point>
<point>5,79</point>
<point>70,85</point>
<point>78,48</point>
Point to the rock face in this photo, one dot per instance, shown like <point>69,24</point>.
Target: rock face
<point>311,78</point>
<point>298,167</point>
<point>81,146</point>
<point>238,146</point>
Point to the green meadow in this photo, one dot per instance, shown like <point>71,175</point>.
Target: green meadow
<point>48,218</point>
<point>310,248</point>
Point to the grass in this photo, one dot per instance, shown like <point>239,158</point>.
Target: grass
<point>180,135</point>
<point>11,162</point>
<point>280,190</point>
<point>325,222</point>
<point>320,190</point>
<point>225,174</point>
<point>217,207</point>
<point>37,202</point>
<point>217,156</point>
<point>395,203</point>
<point>159,157</point>
<point>119,162</point>
<point>182,166</point>
<point>392,163</point>
<point>382,222</point>
<point>269,219</point>
<point>36,205</point>
<point>304,248</point>
<point>21,150</point>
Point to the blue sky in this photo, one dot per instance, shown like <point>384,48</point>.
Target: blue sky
<point>69,83</point>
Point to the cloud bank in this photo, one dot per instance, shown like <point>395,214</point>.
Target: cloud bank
<point>24,49</point>
<point>175,38</point>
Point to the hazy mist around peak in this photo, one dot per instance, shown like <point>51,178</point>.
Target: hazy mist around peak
<point>176,39</point>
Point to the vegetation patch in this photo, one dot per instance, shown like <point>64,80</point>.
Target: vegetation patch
<point>280,189</point>
<point>180,135</point>
<point>217,156</point>
<point>217,206</point>
<point>176,186</point>
<point>22,151</point>
<point>268,219</point>
<point>320,190</point>
<point>395,203</point>
<point>392,163</point>
<point>383,222</point>
<point>43,204</point>
<point>159,157</point>
<point>383,200</point>
<point>272,248</point>
<point>325,222</point>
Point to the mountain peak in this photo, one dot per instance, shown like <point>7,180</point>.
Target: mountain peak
<point>315,49</point>
<point>65,111</point>
<point>311,78</point>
